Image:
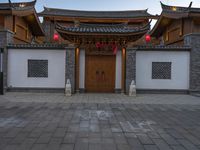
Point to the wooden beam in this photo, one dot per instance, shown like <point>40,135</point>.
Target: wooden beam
<point>14,24</point>
<point>99,20</point>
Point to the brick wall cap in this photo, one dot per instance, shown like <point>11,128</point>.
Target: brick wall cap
<point>164,48</point>
<point>191,34</point>
<point>39,46</point>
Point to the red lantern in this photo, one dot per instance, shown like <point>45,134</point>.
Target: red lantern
<point>98,45</point>
<point>55,37</point>
<point>147,38</point>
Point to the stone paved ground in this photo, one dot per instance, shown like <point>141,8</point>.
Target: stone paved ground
<point>36,122</point>
<point>101,98</point>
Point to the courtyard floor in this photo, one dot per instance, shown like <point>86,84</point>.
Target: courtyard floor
<point>41,121</point>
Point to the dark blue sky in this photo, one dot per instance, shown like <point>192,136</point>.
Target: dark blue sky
<point>152,5</point>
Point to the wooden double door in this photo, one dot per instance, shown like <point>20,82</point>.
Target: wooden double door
<point>100,73</point>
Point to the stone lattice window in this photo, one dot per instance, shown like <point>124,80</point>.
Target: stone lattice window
<point>38,68</point>
<point>161,70</point>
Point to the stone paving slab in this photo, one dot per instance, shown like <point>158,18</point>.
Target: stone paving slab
<point>100,98</point>
<point>44,124</point>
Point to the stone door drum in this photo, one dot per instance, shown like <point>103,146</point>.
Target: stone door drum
<point>100,73</point>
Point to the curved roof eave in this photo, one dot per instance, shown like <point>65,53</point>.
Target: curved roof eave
<point>153,30</point>
<point>39,24</point>
<point>17,5</point>
<point>119,29</point>
<point>24,9</point>
<point>169,13</point>
<point>95,14</point>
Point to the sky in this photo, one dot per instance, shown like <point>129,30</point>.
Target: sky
<point>153,6</point>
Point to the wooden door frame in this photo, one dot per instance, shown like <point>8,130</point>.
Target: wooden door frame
<point>123,55</point>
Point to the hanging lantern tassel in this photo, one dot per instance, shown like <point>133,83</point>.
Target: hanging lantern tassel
<point>98,45</point>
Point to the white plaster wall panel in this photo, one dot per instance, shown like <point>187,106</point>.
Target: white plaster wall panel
<point>82,69</point>
<point>118,74</point>
<point>179,72</point>
<point>18,68</point>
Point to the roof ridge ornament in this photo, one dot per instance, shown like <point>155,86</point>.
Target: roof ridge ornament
<point>46,8</point>
<point>162,5</point>
<point>10,3</point>
<point>190,5</point>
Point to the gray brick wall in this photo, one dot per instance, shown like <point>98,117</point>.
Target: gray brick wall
<point>6,37</point>
<point>47,29</point>
<point>70,66</point>
<point>130,67</point>
<point>193,40</point>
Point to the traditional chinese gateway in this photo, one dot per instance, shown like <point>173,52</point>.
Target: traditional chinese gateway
<point>100,39</point>
<point>99,51</point>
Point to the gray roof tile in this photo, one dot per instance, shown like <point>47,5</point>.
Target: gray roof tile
<point>94,14</point>
<point>178,9</point>
<point>102,28</point>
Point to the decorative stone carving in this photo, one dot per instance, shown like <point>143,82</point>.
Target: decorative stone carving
<point>68,88</point>
<point>132,89</point>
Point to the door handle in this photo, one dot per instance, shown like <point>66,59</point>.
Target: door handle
<point>103,75</point>
<point>97,75</point>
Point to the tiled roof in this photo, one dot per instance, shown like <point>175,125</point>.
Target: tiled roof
<point>103,28</point>
<point>178,9</point>
<point>94,14</point>
<point>172,12</point>
<point>17,6</point>
<point>24,9</point>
